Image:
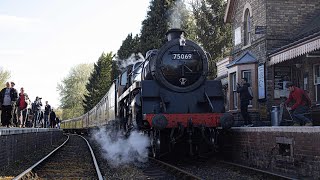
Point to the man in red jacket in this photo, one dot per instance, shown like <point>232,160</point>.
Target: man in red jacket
<point>301,105</point>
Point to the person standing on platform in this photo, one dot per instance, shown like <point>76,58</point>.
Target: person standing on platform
<point>36,109</point>
<point>6,96</point>
<point>47,110</point>
<point>301,106</point>
<point>52,119</point>
<point>58,122</point>
<point>14,106</point>
<point>22,104</point>
<point>244,100</point>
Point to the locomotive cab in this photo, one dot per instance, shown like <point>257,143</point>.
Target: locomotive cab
<point>147,73</point>
<point>136,72</point>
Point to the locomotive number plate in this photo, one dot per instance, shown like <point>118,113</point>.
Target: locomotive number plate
<point>181,56</point>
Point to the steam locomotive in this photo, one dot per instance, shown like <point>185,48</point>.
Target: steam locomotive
<point>167,96</point>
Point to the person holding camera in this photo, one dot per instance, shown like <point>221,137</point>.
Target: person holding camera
<point>245,97</point>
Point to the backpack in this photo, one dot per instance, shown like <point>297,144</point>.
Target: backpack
<point>250,93</point>
<point>33,107</point>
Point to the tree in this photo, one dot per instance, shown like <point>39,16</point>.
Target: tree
<point>162,16</point>
<point>4,76</point>
<point>72,90</point>
<point>129,46</point>
<point>212,32</point>
<point>100,81</point>
<point>155,25</point>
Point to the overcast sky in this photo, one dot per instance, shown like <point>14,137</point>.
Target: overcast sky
<point>40,40</point>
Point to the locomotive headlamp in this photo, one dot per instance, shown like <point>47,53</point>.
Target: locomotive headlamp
<point>159,121</point>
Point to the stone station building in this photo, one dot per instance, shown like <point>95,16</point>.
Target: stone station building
<point>274,41</point>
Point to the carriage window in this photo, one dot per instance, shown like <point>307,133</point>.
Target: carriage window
<point>124,77</point>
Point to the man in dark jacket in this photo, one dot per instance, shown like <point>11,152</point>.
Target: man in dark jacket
<point>47,110</point>
<point>6,98</point>
<point>36,109</point>
<point>14,105</point>
<point>52,119</point>
<point>244,100</point>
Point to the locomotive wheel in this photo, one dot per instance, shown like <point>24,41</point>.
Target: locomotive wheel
<point>155,144</point>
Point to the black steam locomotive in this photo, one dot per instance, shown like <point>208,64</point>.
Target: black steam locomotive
<point>167,96</point>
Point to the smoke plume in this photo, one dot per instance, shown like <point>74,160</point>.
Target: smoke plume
<point>123,63</point>
<point>121,151</point>
<point>176,17</point>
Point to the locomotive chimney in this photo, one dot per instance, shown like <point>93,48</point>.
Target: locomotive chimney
<point>174,34</point>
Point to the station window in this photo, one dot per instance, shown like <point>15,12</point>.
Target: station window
<point>234,90</point>
<point>247,27</point>
<point>316,69</point>
<point>247,74</point>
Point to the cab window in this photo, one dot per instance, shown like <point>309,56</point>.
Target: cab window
<point>124,77</point>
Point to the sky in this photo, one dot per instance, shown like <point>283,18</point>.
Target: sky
<point>41,40</point>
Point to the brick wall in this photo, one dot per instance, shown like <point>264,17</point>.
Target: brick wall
<point>258,18</point>
<point>15,145</point>
<point>285,18</point>
<point>290,150</point>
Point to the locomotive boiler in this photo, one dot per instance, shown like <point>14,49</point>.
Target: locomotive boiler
<point>167,97</point>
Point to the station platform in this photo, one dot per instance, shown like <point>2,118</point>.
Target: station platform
<point>10,131</point>
<point>293,150</point>
<point>16,143</point>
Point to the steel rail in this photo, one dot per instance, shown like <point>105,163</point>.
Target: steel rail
<point>36,164</point>
<point>259,170</point>
<point>185,173</point>
<point>94,159</point>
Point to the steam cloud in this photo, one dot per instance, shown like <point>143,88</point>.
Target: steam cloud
<point>119,150</point>
<point>131,60</point>
<point>176,17</point>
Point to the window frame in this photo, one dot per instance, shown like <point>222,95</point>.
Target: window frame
<point>234,90</point>
<point>314,74</point>
<point>247,28</point>
<point>316,83</point>
<point>249,78</point>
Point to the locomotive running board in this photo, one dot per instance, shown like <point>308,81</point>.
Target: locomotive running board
<point>134,86</point>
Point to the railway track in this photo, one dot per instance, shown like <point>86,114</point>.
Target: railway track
<point>267,173</point>
<point>74,159</point>
<point>162,170</point>
<point>209,167</point>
